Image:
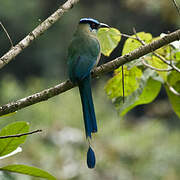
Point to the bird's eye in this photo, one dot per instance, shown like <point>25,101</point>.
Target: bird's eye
<point>93,26</point>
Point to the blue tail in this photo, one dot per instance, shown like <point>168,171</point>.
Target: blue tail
<point>88,106</point>
<point>91,159</point>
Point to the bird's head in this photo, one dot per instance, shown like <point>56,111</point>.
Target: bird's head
<point>91,25</point>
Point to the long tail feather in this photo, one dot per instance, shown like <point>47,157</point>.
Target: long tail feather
<point>88,106</point>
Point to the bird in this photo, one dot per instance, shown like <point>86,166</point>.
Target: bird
<point>83,55</point>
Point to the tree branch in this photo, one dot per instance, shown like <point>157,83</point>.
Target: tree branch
<point>19,135</point>
<point>159,56</point>
<point>105,68</point>
<point>39,30</point>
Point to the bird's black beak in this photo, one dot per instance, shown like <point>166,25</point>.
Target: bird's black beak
<point>102,25</point>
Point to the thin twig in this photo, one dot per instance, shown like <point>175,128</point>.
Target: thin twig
<point>137,37</point>
<point>175,68</point>
<point>123,82</point>
<point>19,135</point>
<point>8,36</point>
<point>172,90</point>
<point>176,6</point>
<point>128,36</point>
<point>166,62</point>
<point>161,58</point>
<point>157,69</point>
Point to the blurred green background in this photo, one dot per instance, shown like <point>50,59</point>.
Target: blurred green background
<point>142,146</point>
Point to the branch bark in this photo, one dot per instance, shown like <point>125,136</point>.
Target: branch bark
<point>105,68</point>
<point>39,30</point>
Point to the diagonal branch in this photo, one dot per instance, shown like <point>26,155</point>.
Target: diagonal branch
<point>105,68</point>
<point>39,30</point>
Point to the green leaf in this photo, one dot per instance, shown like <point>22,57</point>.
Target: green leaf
<point>177,56</point>
<point>132,44</point>
<point>29,170</point>
<point>165,51</point>
<point>175,101</point>
<point>146,93</point>
<point>131,82</point>
<point>109,39</point>
<point>158,63</point>
<point>10,144</point>
<point>173,79</point>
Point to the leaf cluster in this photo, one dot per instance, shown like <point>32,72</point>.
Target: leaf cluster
<point>143,77</point>
<point>10,146</point>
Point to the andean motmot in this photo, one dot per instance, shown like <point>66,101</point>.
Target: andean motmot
<point>83,55</point>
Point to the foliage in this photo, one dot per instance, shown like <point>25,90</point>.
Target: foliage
<point>32,171</point>
<point>10,144</point>
<point>9,147</point>
<point>132,44</point>
<point>143,78</point>
<point>109,39</point>
<point>114,85</point>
